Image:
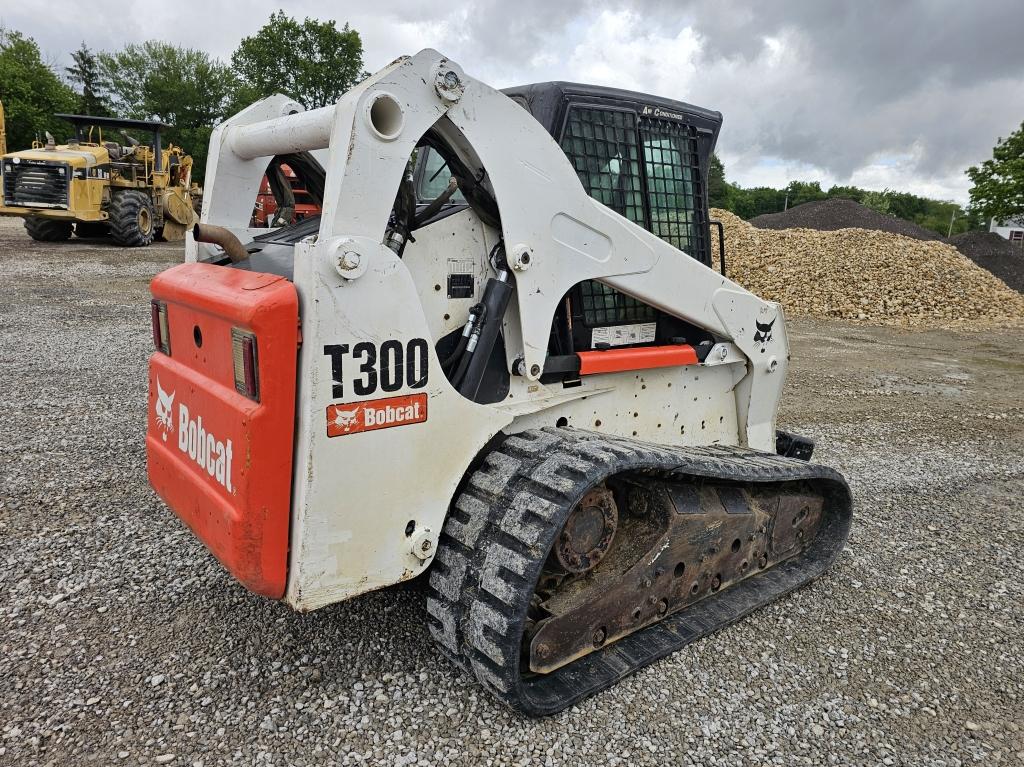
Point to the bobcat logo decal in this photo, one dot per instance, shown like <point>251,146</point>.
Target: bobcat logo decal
<point>164,403</point>
<point>763,334</point>
<point>370,415</point>
<point>345,419</point>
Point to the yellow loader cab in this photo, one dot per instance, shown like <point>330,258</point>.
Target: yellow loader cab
<point>95,185</point>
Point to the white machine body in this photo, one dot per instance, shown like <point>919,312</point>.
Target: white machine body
<point>357,520</point>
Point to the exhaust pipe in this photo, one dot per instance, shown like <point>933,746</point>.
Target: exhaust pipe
<point>218,235</point>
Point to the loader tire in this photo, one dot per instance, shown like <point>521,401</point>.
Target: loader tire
<point>501,531</point>
<point>132,221</point>
<point>47,229</point>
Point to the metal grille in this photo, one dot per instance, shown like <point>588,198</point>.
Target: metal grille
<point>603,305</point>
<point>605,147</point>
<point>36,184</point>
<point>674,189</point>
<point>602,145</point>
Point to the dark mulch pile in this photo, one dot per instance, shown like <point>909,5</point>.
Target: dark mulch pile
<point>829,215</point>
<point>997,254</point>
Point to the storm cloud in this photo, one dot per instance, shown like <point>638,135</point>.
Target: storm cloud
<point>904,94</point>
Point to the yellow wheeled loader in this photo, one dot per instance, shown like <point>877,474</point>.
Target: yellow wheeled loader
<point>97,184</point>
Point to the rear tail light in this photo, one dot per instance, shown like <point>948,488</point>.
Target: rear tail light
<point>161,337</point>
<point>244,354</point>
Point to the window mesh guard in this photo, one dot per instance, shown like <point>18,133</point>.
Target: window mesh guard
<point>674,194</point>
<point>604,147</point>
<point>603,305</point>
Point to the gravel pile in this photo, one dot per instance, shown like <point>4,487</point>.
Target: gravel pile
<point>836,213</point>
<point>868,276</point>
<point>996,254</point>
<point>123,642</point>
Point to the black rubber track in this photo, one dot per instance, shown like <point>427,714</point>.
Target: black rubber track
<point>501,527</point>
<point>47,229</point>
<point>124,218</point>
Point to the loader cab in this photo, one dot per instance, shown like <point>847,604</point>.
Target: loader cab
<point>646,158</point>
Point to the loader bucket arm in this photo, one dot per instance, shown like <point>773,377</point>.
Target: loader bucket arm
<point>555,234</point>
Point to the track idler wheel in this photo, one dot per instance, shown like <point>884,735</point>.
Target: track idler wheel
<point>587,534</point>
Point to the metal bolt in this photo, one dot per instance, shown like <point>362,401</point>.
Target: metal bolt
<point>349,260</point>
<point>422,545</point>
<point>599,636</point>
<point>535,370</point>
<point>448,84</point>
<point>662,607</point>
<point>723,353</point>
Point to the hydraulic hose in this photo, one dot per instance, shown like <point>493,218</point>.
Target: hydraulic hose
<point>470,346</point>
<point>452,358</point>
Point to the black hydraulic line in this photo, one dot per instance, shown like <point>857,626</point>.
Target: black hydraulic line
<point>460,371</point>
<point>496,298</point>
<point>452,358</point>
<point>467,354</point>
<point>474,314</point>
<point>721,242</point>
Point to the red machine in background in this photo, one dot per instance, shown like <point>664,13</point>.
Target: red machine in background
<point>302,203</point>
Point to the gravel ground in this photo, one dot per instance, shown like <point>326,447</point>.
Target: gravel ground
<point>123,641</point>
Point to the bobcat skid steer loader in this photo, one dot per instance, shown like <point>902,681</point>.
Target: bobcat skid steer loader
<point>508,367</point>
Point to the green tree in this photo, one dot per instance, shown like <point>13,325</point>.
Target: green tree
<point>748,203</point>
<point>718,189</point>
<point>85,73</point>
<point>30,90</point>
<point>877,201</point>
<point>846,193</point>
<point>804,191</point>
<point>314,62</point>
<point>183,87</point>
<point>998,184</point>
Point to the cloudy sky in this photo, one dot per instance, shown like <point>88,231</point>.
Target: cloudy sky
<point>879,93</point>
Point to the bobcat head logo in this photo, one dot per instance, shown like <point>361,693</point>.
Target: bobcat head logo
<point>763,334</point>
<point>346,419</point>
<point>164,403</point>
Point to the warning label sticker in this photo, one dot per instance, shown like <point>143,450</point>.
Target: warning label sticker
<point>621,335</point>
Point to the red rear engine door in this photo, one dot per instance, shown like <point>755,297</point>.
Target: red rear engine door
<point>221,459</point>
